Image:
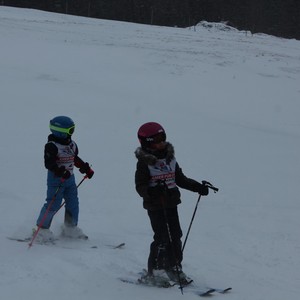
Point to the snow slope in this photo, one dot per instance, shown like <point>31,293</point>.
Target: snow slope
<point>230,104</point>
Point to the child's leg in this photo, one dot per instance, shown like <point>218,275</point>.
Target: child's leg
<point>174,250</point>
<point>158,256</point>
<point>72,203</point>
<point>45,218</point>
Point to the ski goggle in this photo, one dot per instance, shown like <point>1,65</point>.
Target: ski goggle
<point>68,131</point>
<point>157,139</point>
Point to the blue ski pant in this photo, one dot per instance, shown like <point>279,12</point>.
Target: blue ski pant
<point>68,192</point>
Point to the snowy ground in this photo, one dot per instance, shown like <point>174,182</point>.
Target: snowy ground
<point>230,104</point>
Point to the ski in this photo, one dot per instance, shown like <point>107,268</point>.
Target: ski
<point>210,291</point>
<point>189,287</point>
<point>27,240</point>
<point>119,246</point>
<point>21,240</point>
<point>223,291</point>
<point>198,291</point>
<point>58,240</point>
<point>205,293</point>
<point>140,282</point>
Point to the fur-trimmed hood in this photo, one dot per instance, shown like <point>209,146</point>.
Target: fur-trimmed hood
<point>151,158</point>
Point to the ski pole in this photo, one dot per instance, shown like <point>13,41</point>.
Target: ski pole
<point>82,180</point>
<point>209,185</point>
<point>192,220</point>
<point>46,213</point>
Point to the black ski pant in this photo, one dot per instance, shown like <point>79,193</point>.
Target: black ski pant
<point>165,250</point>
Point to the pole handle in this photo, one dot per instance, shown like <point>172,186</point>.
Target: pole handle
<point>209,185</point>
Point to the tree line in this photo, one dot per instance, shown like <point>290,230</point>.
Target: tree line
<point>275,17</point>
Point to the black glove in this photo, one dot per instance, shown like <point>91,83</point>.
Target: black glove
<point>156,191</point>
<point>86,169</point>
<point>62,172</point>
<point>202,189</point>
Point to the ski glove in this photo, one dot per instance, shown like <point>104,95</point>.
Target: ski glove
<point>202,189</point>
<point>62,172</point>
<point>86,169</point>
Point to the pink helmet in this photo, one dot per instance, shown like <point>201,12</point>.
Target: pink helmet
<point>148,131</point>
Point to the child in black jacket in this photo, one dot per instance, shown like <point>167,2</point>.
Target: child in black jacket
<point>157,179</point>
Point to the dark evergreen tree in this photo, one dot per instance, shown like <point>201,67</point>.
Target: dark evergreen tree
<point>277,17</point>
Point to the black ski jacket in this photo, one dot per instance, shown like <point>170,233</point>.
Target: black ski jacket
<point>158,197</point>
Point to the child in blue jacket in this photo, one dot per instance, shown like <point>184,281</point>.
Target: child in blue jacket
<point>60,157</point>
